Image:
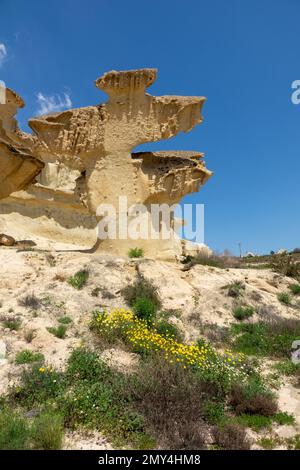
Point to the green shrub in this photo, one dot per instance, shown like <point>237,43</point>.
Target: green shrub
<point>214,412</point>
<point>136,253</point>
<point>47,431</point>
<point>267,443</point>
<point>243,312</point>
<point>253,398</point>
<point>13,323</point>
<point>38,384</point>
<point>272,338</point>
<point>287,367</point>
<point>167,329</point>
<point>235,289</point>
<point>26,357</point>
<point>14,432</point>
<point>65,320</point>
<point>141,288</point>
<point>59,332</point>
<point>283,418</point>
<point>255,422</point>
<point>284,298</point>
<point>79,279</point>
<point>295,289</point>
<point>144,309</point>
<point>285,264</point>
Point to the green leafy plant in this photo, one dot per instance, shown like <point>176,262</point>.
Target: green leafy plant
<point>167,329</point>
<point>79,280</point>
<point>242,312</point>
<point>284,298</point>
<point>235,289</point>
<point>283,418</point>
<point>287,367</point>
<point>144,309</point>
<point>26,357</point>
<point>14,432</point>
<point>59,332</point>
<point>214,412</point>
<point>295,289</point>
<point>47,431</point>
<point>252,397</point>
<point>273,338</point>
<point>65,320</point>
<point>13,323</point>
<point>141,288</point>
<point>136,253</point>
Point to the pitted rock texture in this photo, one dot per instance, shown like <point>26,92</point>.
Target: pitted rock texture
<point>78,159</point>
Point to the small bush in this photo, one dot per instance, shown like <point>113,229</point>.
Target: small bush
<point>47,431</point>
<point>65,320</point>
<point>255,422</point>
<point>231,436</point>
<point>166,329</point>
<point>214,412</point>
<point>79,279</point>
<point>27,357</point>
<point>295,289</point>
<point>30,301</point>
<point>59,332</point>
<point>144,309</point>
<point>136,253</point>
<point>38,384</point>
<point>243,312</point>
<point>141,288</point>
<point>29,335</point>
<point>283,418</point>
<point>287,367</point>
<point>170,399</point>
<point>267,443</point>
<point>284,298</point>
<point>271,338</point>
<point>13,323</point>
<point>252,398</point>
<point>96,291</point>
<point>286,265</point>
<point>14,431</point>
<point>235,289</point>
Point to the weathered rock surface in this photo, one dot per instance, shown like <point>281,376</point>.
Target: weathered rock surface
<point>6,240</point>
<point>80,158</point>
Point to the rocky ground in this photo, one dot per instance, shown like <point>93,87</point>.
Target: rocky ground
<point>198,296</point>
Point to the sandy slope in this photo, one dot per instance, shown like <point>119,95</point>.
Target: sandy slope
<point>198,294</point>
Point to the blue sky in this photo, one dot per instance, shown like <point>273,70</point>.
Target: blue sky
<point>241,54</point>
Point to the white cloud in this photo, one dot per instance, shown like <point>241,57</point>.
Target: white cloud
<point>53,103</point>
<point>3,53</point>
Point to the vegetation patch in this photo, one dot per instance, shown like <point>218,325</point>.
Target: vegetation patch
<point>136,253</point>
<point>267,339</point>
<point>284,298</point>
<point>13,323</point>
<point>242,312</point>
<point>79,280</point>
<point>141,288</point>
<point>26,357</point>
<point>59,332</point>
<point>295,289</point>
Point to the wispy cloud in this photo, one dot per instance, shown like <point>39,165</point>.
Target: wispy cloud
<point>3,53</point>
<point>53,103</point>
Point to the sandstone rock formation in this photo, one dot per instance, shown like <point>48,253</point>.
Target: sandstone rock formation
<point>54,180</point>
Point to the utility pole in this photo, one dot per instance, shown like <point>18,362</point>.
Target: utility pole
<point>240,249</point>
